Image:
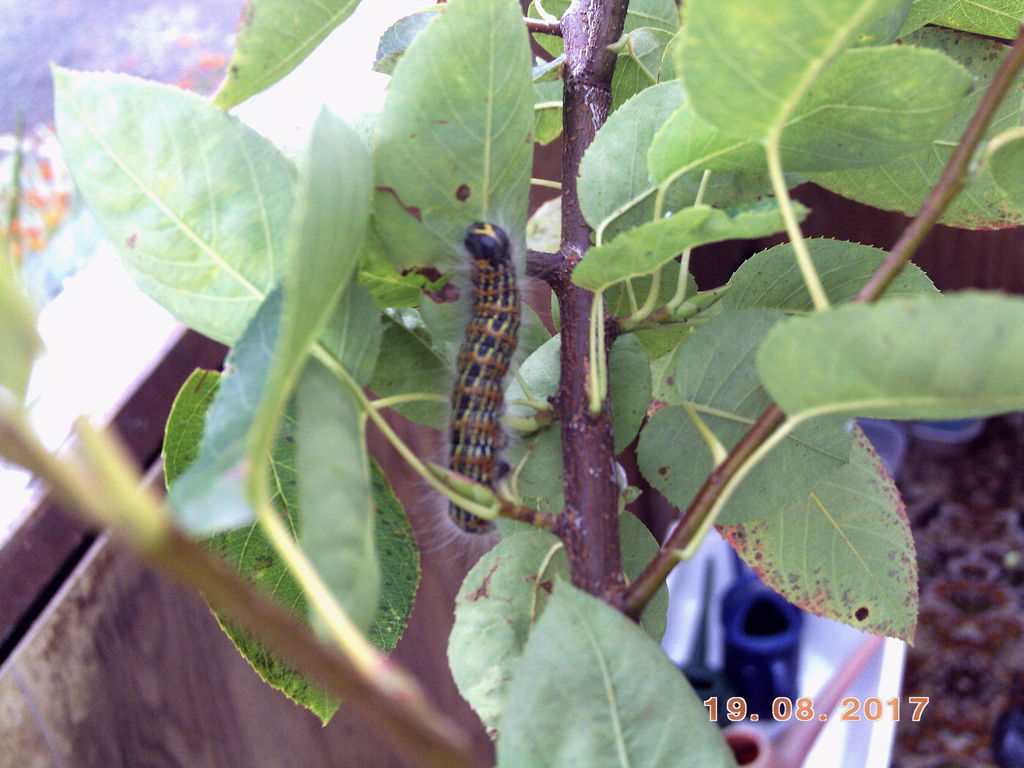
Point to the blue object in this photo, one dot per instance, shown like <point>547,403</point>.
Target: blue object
<point>762,643</point>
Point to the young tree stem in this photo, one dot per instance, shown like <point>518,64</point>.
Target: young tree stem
<point>591,492</point>
<point>953,179</point>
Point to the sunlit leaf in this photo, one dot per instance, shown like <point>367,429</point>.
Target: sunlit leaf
<point>996,18</point>
<point>18,338</point>
<point>399,36</point>
<point>196,203</point>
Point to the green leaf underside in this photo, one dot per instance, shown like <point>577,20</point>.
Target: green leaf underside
<point>275,37</point>
<point>1006,164</point>
<point>715,375</point>
<point>615,188</point>
<point>997,18</point>
<point>775,51</point>
<point>844,551</point>
<point>196,203</point>
<point>928,357</point>
<point>923,12</point>
<point>335,495</point>
<point>641,52</point>
<point>249,550</point>
<point>411,364</point>
<point>548,111</point>
<point>502,597</point>
<point>643,249</point>
<point>586,658</point>
<point>399,36</point>
<point>612,172</point>
<point>453,142</point>
<point>872,105</point>
<point>903,184</point>
<point>209,496</point>
<point>771,279</point>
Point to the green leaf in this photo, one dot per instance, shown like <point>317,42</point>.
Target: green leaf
<point>274,38</point>
<point>209,497</point>
<point>925,357</point>
<point>839,123</point>
<point>639,63</point>
<point>184,429</point>
<point>399,36</point>
<point>923,12</point>
<point>196,203</point>
<point>411,364</point>
<point>547,107</point>
<point>643,249</point>
<point>635,708</point>
<point>844,551</point>
<point>715,376</point>
<point>496,607</point>
<point>331,216</point>
<point>903,184</point>
<point>747,65</point>
<point>501,599</point>
<point>453,142</point>
<point>996,18</point>
<point>613,172</point>
<point>388,286</point>
<point>1005,159</point>
<point>18,338</point>
<point>250,551</point>
<point>629,384</point>
<point>335,494</point>
<point>353,333</point>
<point>771,279</point>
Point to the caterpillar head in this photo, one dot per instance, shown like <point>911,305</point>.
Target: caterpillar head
<point>488,245</point>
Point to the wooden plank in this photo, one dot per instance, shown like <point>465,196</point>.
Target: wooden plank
<point>49,541</point>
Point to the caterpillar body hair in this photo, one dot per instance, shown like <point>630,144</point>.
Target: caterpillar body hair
<point>483,360</point>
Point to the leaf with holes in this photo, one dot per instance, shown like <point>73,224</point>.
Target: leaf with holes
<point>453,142</point>
<point>843,551</point>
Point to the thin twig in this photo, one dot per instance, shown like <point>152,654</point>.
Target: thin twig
<point>953,179</point>
<point>543,27</point>
<point>544,266</point>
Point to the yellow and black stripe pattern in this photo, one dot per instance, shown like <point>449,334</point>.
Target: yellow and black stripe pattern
<point>490,341</point>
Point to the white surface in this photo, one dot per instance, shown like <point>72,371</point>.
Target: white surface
<point>825,645</point>
<point>99,333</point>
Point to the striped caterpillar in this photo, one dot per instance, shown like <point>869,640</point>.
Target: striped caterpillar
<point>483,360</point>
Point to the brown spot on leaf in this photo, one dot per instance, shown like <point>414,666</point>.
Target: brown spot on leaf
<point>463,192</point>
<point>861,613</point>
<point>446,295</point>
<point>131,240</point>
<point>412,210</point>
<point>663,471</point>
<point>481,591</point>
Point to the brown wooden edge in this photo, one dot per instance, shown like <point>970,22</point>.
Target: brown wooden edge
<point>49,542</point>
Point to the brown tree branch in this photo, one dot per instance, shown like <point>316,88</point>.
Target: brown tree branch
<point>591,493</point>
<point>544,27</point>
<point>543,266</point>
<point>952,180</point>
